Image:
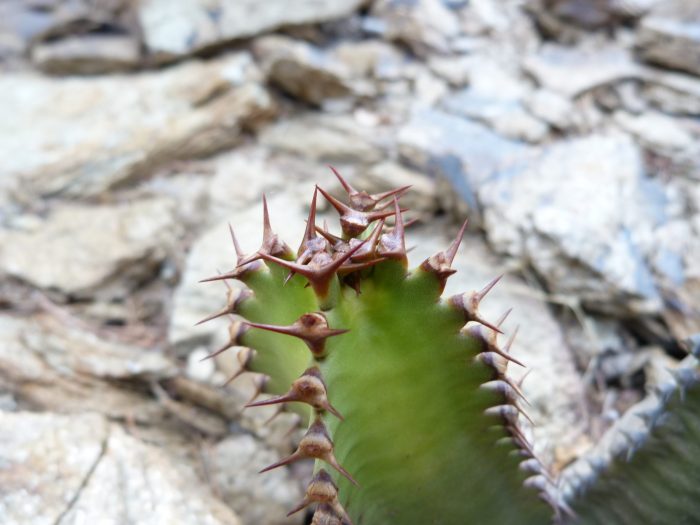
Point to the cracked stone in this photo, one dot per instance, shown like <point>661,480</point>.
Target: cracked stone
<point>121,126</point>
<point>543,214</point>
<point>88,251</point>
<point>173,29</point>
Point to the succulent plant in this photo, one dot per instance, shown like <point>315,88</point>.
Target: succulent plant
<point>411,415</point>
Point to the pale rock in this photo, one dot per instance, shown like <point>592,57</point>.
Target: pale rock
<point>241,176</point>
<point>424,25</point>
<point>672,92</point>
<point>428,88</point>
<point>133,482</point>
<point>456,70</point>
<point>555,109</point>
<point>265,498</point>
<point>88,54</point>
<point>670,35</point>
<point>506,116</point>
<point>302,70</point>
<point>583,215</point>
<point>83,136</point>
<point>364,59</point>
<point>35,451</point>
<point>199,367</point>
<point>87,251</point>
<point>571,71</point>
<point>656,131</point>
<point>70,348</point>
<point>54,367</point>
<point>459,151</point>
<point>173,29</point>
<point>323,138</point>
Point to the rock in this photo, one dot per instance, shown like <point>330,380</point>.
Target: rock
<point>66,347</point>
<point>150,484</point>
<point>583,216</point>
<point>424,25</point>
<point>555,109</point>
<point>107,476</point>
<point>302,70</point>
<point>670,35</point>
<point>88,251</point>
<point>121,127</point>
<point>560,418</point>
<point>89,54</point>
<point>366,58</point>
<point>656,131</point>
<point>672,92</point>
<point>323,138</point>
<point>36,450</point>
<point>173,29</point>
<point>572,71</point>
<point>266,498</point>
<point>49,366</point>
<point>596,15</point>
<point>240,178</point>
<point>457,150</point>
<point>506,116</point>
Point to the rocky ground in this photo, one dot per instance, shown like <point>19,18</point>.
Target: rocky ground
<point>133,131</point>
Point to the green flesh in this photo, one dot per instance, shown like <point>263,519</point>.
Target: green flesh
<point>281,357</point>
<point>414,436</point>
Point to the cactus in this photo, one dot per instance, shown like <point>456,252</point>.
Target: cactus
<point>646,469</point>
<point>410,413</point>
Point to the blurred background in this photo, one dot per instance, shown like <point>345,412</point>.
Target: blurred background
<point>133,131</point>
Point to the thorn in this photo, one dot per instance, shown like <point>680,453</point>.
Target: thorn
<point>353,222</point>
<point>370,248</point>
<point>489,344</point>
<point>244,356</point>
<point>508,412</point>
<point>311,328</point>
<point>354,267</point>
<point>361,200</point>
<point>235,330</point>
<point>320,489</point>
<point>309,389</point>
<point>280,409</point>
<point>538,482</point>
<point>239,253</point>
<point>271,243</point>
<point>440,264</point>
<point>310,232</point>
<point>469,304</point>
<point>503,318</point>
<point>393,245</point>
<point>326,515</point>
<point>320,270</point>
<point>316,444</point>
<point>452,250</point>
<point>505,386</point>
<point>478,296</point>
<point>259,383</point>
<point>234,297</point>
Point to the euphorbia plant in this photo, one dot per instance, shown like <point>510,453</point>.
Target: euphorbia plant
<point>411,415</point>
